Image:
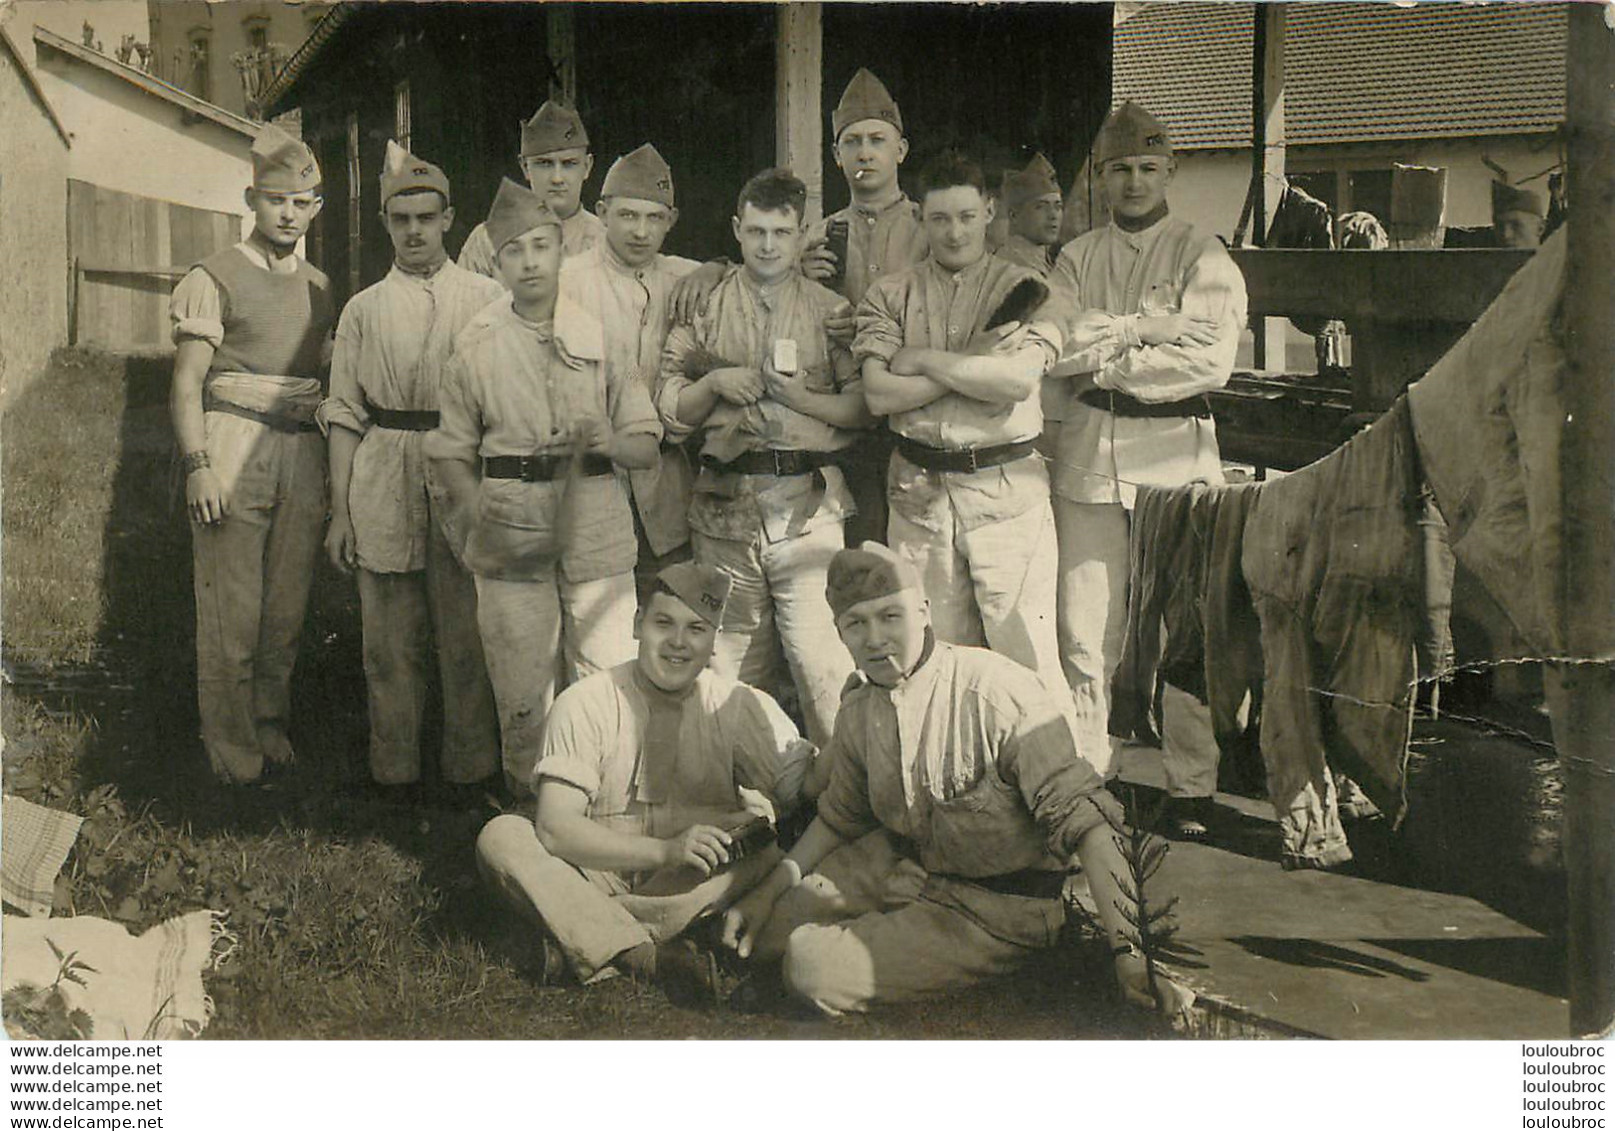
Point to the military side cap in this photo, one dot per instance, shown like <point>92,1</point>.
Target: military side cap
<point>554,127</point>
<point>640,175</point>
<point>704,588</point>
<point>1507,198</point>
<point>516,211</point>
<point>402,171</point>
<point>870,571</point>
<point>1023,186</point>
<point>281,163</point>
<point>1131,131</point>
<point>865,97</point>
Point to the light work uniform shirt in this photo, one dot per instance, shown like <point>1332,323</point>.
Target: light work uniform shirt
<point>634,308</point>
<point>579,232</point>
<point>969,760</point>
<point>930,307</point>
<point>516,388</point>
<point>722,739</point>
<point>392,346</point>
<point>740,326</point>
<point>880,242</point>
<point>1104,280</point>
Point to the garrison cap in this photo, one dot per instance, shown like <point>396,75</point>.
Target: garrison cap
<point>641,175</point>
<point>402,171</point>
<point>281,163</point>
<point>704,588</point>
<point>1507,198</point>
<point>865,97</point>
<point>1034,182</point>
<point>1131,131</point>
<point>555,126</point>
<point>870,571</point>
<point>516,210</point>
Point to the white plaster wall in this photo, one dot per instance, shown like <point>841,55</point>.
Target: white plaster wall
<point>127,139</point>
<point>33,233</point>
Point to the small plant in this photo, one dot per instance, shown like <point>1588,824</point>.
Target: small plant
<point>1152,928</point>
<point>42,1012</point>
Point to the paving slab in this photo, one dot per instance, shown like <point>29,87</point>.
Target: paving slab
<point>1322,954</point>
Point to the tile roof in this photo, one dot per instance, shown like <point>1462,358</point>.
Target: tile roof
<point>1353,72</point>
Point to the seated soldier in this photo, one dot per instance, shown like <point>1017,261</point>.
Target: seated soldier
<point>643,771</point>
<point>956,803</point>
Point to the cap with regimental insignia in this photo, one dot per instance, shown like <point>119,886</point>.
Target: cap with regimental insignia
<point>870,571</point>
<point>1131,131</point>
<point>555,126</point>
<point>704,588</point>
<point>281,163</point>
<point>865,97</point>
<point>1507,198</point>
<point>402,171</point>
<point>1031,183</point>
<point>516,211</point>
<point>640,175</point>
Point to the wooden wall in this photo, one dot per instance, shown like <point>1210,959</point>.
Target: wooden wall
<point>127,253</point>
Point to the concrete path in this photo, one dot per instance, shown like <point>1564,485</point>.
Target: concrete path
<point>1311,953</point>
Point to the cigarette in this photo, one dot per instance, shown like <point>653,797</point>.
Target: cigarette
<point>860,174</point>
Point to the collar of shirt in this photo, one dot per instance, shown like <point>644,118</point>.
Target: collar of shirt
<point>1144,237</point>
<point>284,265</point>
<point>423,275</point>
<point>876,212</point>
<point>768,295</point>
<point>968,274</point>
<point>577,335</point>
<point>609,257</point>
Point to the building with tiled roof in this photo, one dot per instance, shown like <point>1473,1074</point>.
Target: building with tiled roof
<point>1366,85</point>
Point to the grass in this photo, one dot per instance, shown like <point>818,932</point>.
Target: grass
<point>356,917</point>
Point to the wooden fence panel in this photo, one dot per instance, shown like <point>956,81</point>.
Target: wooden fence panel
<point>128,252</point>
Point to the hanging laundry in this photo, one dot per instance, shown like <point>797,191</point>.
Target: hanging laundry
<point>1489,419</point>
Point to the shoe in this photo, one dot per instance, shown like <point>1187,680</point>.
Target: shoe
<point>691,974</point>
<point>1188,818</point>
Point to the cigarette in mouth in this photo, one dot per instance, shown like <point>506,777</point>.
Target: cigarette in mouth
<point>860,174</point>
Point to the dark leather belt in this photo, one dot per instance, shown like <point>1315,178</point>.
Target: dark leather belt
<point>401,419</point>
<point>769,462</point>
<point>541,469</point>
<point>211,403</point>
<point>1033,883</point>
<point>1107,400</point>
<point>963,459</point>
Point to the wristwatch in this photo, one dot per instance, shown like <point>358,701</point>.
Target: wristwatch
<point>1125,947</point>
<point>195,461</point>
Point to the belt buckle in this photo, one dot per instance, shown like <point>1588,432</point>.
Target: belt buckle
<point>974,466</point>
<point>779,463</point>
<point>528,468</point>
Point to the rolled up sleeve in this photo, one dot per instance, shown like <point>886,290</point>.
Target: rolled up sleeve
<point>632,413</point>
<point>1064,794</point>
<point>196,309</point>
<point>879,323</point>
<point>344,407</point>
<point>573,746</point>
<point>671,381</point>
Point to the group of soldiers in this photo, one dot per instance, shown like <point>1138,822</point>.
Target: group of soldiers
<point>610,489</point>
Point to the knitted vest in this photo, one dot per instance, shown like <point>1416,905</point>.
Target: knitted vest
<point>273,324</point>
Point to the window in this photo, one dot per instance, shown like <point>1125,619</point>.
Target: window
<point>201,81</point>
<point>401,129</point>
<point>257,35</point>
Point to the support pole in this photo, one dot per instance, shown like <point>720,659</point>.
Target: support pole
<point>561,42</point>
<point>798,109</point>
<point>1581,696</point>
<point>1267,157</point>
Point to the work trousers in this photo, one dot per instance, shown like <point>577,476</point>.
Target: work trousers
<point>530,629</point>
<point>1093,564</point>
<point>870,927</point>
<point>596,915</point>
<point>252,576</point>
<point>992,586</point>
<point>404,615</point>
<point>777,604</point>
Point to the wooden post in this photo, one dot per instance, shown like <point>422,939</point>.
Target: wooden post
<point>1267,157</point>
<point>798,109</point>
<point>1581,696</point>
<point>561,42</point>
